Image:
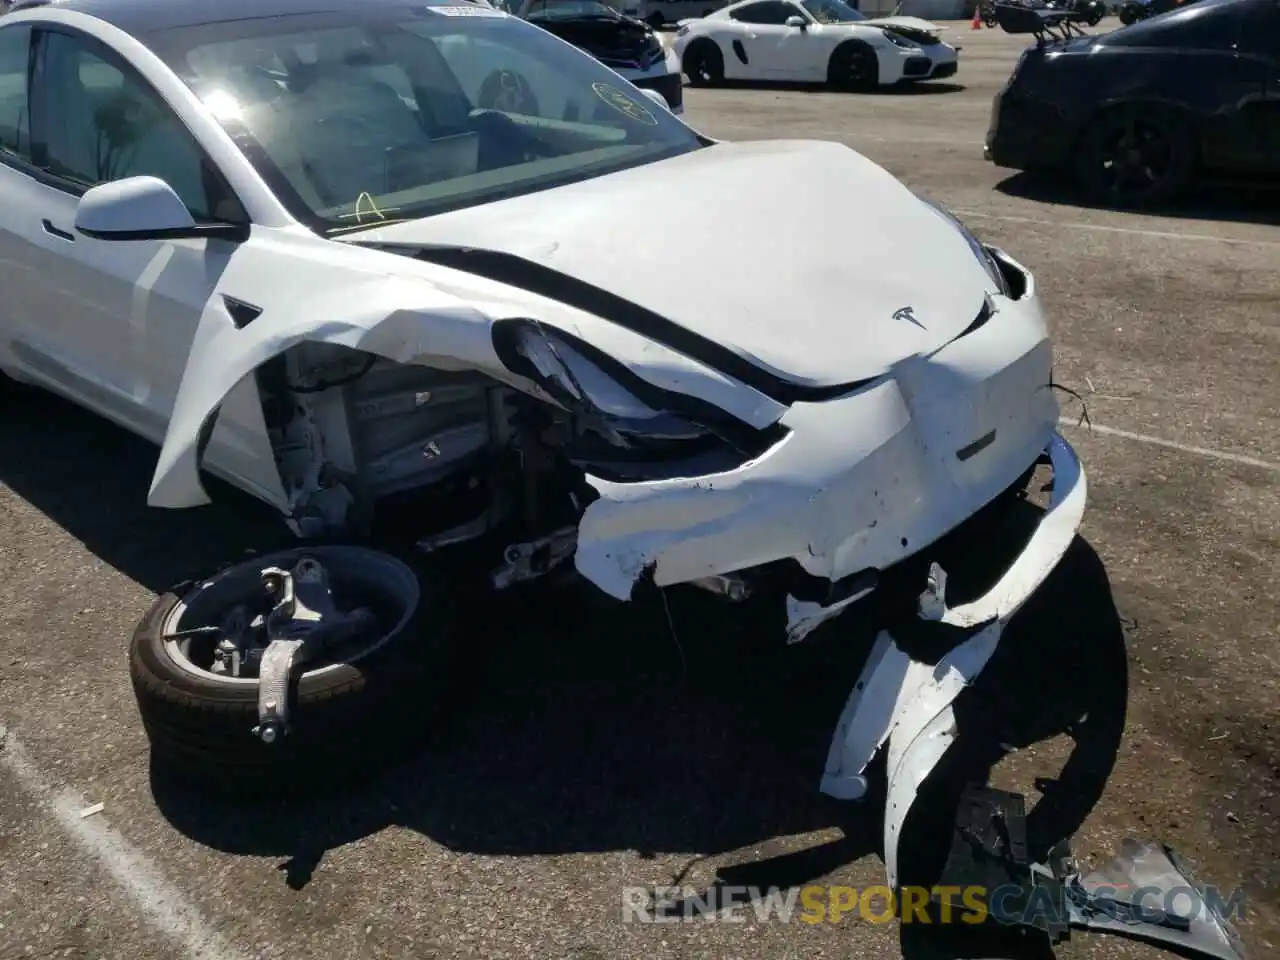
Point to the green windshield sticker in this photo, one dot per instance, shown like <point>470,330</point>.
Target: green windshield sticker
<point>625,104</point>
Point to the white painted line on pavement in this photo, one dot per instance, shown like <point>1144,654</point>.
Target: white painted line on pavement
<point>164,906</point>
<point>1160,234</point>
<point>1174,445</point>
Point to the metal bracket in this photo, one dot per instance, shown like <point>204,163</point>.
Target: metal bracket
<point>1144,892</point>
<point>535,558</point>
<point>303,621</point>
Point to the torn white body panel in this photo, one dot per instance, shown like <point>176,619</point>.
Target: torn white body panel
<point>909,703</point>
<point>859,483</point>
<point>310,290</point>
<point>307,291</point>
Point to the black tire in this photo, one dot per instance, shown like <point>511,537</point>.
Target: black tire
<point>1135,156</point>
<point>508,92</point>
<point>1128,15</point>
<point>346,720</point>
<point>1096,16</point>
<point>853,66</point>
<point>656,20</point>
<point>703,64</point>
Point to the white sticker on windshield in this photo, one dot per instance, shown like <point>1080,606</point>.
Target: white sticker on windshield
<point>467,10</point>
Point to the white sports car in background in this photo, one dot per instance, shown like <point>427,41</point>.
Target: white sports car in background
<point>281,240</point>
<point>811,41</point>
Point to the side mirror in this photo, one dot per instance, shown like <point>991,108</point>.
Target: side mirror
<point>799,23</point>
<point>144,208</point>
<point>656,97</point>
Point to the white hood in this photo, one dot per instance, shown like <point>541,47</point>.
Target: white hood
<point>800,256</point>
<point>907,23</point>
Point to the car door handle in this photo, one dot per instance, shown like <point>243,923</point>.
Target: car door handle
<point>49,228</point>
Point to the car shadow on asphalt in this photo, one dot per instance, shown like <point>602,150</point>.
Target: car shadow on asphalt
<point>687,726</point>
<point>928,88</point>
<point>678,723</point>
<point>1238,203</point>
<point>92,479</point>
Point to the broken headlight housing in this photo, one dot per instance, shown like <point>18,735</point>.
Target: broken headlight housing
<point>979,250</point>
<point>621,427</point>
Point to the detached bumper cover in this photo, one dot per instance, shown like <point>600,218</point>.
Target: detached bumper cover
<point>908,702</point>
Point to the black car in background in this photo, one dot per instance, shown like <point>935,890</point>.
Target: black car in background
<point>630,46</point>
<point>1135,115</point>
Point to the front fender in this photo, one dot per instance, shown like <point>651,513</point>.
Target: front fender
<point>401,318</point>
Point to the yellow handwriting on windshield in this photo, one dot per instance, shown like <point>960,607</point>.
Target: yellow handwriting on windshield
<point>366,206</point>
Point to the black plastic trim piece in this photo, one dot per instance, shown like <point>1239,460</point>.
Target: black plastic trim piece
<point>242,314</point>
<point>231,232</point>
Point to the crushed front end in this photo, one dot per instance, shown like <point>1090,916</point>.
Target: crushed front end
<point>851,491</point>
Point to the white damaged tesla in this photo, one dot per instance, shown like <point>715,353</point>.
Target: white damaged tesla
<point>307,262</point>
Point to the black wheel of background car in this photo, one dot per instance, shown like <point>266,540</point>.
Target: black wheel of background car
<point>1096,16</point>
<point>350,712</point>
<point>1128,15</point>
<point>1132,156</point>
<point>509,92</point>
<point>656,20</point>
<point>853,66</point>
<point>703,63</point>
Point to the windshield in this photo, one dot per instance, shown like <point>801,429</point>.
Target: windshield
<point>832,11</point>
<point>359,119</point>
<point>570,10</point>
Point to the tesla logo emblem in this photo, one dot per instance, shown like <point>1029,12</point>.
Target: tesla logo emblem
<point>906,313</point>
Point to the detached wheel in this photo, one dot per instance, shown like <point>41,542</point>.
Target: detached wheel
<point>1132,157</point>
<point>703,64</point>
<point>360,703</point>
<point>853,66</point>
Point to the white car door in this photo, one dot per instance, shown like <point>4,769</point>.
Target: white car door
<point>110,323</point>
<point>30,247</point>
<point>772,49</point>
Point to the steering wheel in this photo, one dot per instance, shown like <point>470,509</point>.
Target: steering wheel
<point>504,143</point>
<point>509,92</point>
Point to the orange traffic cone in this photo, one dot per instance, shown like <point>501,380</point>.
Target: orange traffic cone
<point>977,18</point>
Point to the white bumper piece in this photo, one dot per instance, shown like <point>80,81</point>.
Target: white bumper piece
<point>909,703</point>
